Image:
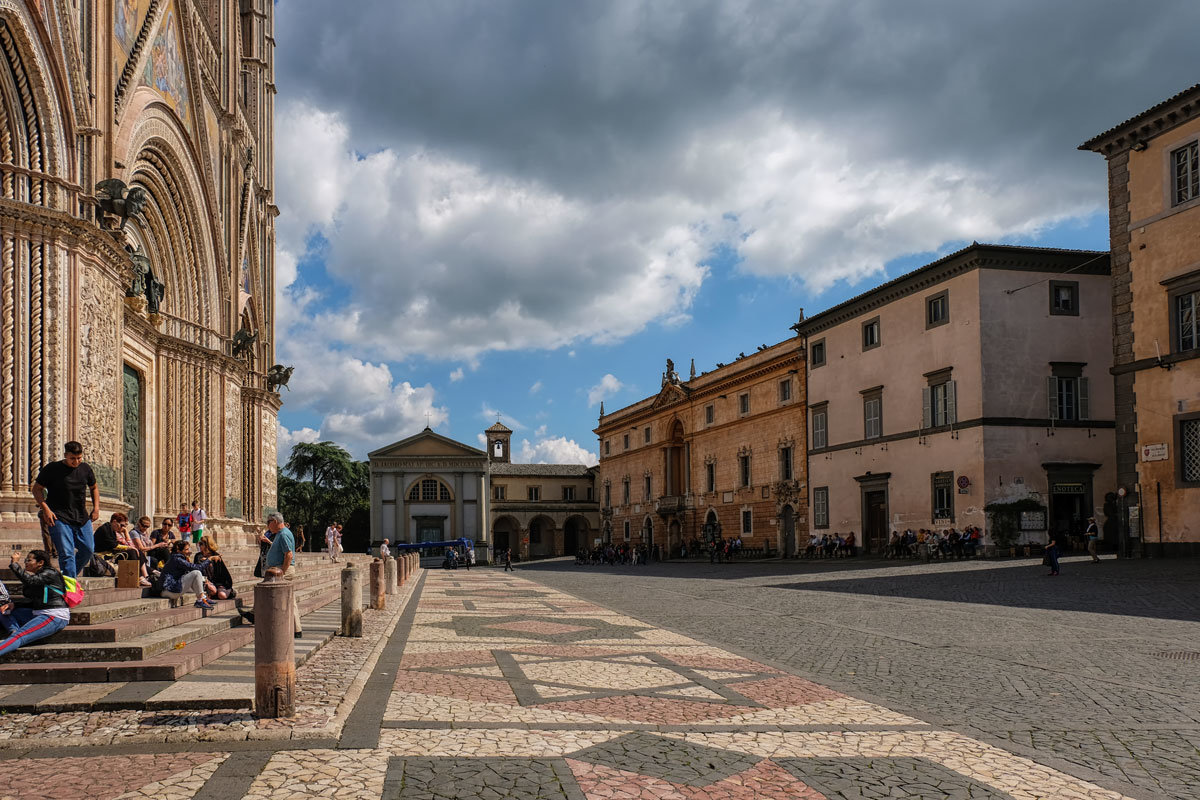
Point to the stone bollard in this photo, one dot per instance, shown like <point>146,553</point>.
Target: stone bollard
<point>352,601</point>
<point>274,650</point>
<point>403,567</point>
<point>378,598</point>
<point>389,575</point>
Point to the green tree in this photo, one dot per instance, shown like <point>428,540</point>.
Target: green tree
<point>321,483</point>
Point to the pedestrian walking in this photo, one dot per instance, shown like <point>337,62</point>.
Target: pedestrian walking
<point>61,490</point>
<point>1093,539</point>
<point>508,567</point>
<point>1051,559</point>
<point>333,541</point>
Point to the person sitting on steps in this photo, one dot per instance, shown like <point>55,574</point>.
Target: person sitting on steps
<point>181,576</point>
<point>43,610</point>
<point>217,579</point>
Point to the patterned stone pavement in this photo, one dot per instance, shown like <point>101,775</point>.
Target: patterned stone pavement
<point>493,686</point>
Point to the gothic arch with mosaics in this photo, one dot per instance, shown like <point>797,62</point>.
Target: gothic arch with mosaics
<point>136,254</point>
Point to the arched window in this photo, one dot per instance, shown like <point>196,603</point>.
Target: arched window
<point>429,490</point>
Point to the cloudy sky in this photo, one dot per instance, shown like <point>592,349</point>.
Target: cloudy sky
<point>524,208</point>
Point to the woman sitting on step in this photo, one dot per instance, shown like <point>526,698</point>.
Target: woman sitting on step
<point>43,610</point>
<point>216,575</point>
<point>181,576</point>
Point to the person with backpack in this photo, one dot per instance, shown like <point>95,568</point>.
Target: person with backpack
<point>43,610</point>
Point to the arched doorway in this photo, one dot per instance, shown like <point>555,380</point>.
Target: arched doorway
<point>648,533</point>
<point>504,534</point>
<point>576,536</point>
<point>788,520</point>
<point>541,537</point>
<point>674,538</point>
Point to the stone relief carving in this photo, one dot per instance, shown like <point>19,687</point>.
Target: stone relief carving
<point>99,387</point>
<point>269,431</point>
<point>233,442</point>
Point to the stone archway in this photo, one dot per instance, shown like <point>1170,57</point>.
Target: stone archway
<point>576,536</point>
<point>541,537</point>
<point>506,534</point>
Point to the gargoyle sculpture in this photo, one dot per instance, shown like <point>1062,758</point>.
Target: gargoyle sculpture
<point>113,197</point>
<point>243,340</point>
<point>278,375</point>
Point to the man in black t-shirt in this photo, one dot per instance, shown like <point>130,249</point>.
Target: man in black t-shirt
<point>61,490</point>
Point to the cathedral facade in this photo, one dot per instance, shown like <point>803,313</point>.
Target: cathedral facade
<point>137,253</point>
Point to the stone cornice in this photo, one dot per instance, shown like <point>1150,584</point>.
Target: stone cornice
<point>51,224</point>
<point>977,256</point>
<point>429,464</point>
<point>1156,120</point>
<point>637,415</point>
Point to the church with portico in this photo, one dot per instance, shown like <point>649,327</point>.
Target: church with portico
<point>431,488</point>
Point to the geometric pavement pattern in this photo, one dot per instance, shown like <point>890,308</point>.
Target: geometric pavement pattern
<point>506,689</point>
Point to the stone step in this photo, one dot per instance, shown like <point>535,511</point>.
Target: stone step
<point>167,666</point>
<point>188,625</point>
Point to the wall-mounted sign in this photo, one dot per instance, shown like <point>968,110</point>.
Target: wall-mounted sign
<point>963,481</point>
<point>1033,520</point>
<point>1066,488</point>
<point>1155,452</point>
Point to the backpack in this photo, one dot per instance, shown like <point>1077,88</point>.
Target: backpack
<point>71,592</point>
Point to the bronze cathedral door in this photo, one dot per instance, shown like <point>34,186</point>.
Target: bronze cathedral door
<point>131,441</point>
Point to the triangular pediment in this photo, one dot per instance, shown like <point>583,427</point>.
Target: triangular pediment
<point>427,443</point>
<point>671,393</point>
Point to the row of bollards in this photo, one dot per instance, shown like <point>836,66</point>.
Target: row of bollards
<point>274,643</point>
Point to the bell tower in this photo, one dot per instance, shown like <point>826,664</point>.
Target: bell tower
<point>499,440</point>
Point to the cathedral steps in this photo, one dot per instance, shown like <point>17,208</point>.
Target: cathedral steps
<point>132,638</point>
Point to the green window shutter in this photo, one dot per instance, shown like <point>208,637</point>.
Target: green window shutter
<point>951,402</point>
<point>927,407</point>
<point>1083,399</point>
<point>1052,397</point>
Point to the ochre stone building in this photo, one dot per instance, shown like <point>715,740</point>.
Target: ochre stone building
<point>1154,224</point>
<point>120,302</point>
<point>724,449</point>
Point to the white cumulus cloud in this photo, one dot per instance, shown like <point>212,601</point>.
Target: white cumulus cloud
<point>607,387</point>
<point>556,450</point>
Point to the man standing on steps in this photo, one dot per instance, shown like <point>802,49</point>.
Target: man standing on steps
<point>197,518</point>
<point>64,511</point>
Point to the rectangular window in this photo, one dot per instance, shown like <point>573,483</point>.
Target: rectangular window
<point>625,492</point>
<point>1064,298</point>
<point>627,530</point>
<point>744,469</point>
<point>646,488</point>
<point>820,426</point>
<point>627,441</point>
<point>607,495</point>
<point>709,415</point>
<point>747,522</point>
<point>744,404</point>
<point>870,334</point>
<point>591,493</point>
<point>872,415</point>
<point>710,476</point>
<point>498,492</point>
<point>1067,392</point>
<point>785,463</point>
<point>1186,165</point>
<point>535,493</point>
<point>942,484</point>
<point>607,447</point>
<point>646,435</point>
<point>1187,445</point>
<point>785,390</point>
<point>940,403</point>
<point>821,507</point>
<point>937,309</point>
<point>1187,326</point>
<point>817,358</point>
<point>568,492</point>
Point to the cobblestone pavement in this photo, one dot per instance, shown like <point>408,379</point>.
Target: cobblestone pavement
<point>1095,673</point>
<point>494,686</point>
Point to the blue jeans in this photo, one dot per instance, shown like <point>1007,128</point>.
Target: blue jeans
<point>25,627</point>
<point>74,544</point>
